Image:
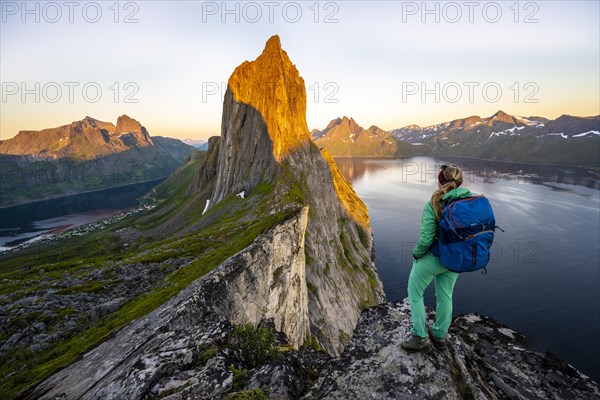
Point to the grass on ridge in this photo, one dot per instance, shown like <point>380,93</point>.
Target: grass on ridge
<point>240,222</point>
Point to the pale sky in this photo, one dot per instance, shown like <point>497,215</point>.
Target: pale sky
<point>365,59</point>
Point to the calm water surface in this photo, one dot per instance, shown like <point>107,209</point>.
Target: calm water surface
<point>26,222</point>
<point>544,276</point>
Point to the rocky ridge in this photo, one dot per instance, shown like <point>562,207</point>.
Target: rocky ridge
<point>265,281</point>
<point>85,139</point>
<point>566,140</point>
<point>160,357</point>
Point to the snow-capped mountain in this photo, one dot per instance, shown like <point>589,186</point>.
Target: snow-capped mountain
<point>500,124</point>
<point>567,139</point>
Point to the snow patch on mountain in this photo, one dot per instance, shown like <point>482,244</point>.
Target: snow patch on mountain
<point>509,130</point>
<point>562,135</point>
<point>587,133</point>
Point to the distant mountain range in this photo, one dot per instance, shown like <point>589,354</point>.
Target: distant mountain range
<point>90,154</point>
<point>565,140</point>
<point>200,144</point>
<point>82,156</point>
<point>343,137</point>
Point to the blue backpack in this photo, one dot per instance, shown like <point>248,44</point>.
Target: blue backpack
<point>465,234</point>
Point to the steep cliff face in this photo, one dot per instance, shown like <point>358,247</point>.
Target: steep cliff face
<point>204,177</point>
<point>272,85</point>
<point>341,274</point>
<point>265,138</point>
<point>265,281</point>
<point>264,120</point>
<point>352,204</point>
<point>270,282</point>
<point>245,156</point>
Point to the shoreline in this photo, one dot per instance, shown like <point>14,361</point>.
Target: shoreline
<point>66,231</point>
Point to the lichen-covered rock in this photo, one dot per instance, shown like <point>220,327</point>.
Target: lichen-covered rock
<point>485,360</point>
<point>193,355</point>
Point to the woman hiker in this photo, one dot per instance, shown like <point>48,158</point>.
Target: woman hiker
<point>426,267</point>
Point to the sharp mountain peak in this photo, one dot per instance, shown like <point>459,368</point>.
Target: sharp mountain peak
<point>273,44</point>
<point>273,86</point>
<point>500,114</point>
<point>264,139</point>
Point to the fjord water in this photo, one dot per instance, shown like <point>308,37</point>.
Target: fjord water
<point>28,221</point>
<point>543,279</point>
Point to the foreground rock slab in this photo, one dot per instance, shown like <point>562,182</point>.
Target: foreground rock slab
<point>485,360</point>
<point>180,354</point>
<point>265,281</point>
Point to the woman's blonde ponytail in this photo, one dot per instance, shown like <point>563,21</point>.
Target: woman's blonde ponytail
<point>453,178</point>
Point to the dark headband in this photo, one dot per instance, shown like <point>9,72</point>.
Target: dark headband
<point>442,179</point>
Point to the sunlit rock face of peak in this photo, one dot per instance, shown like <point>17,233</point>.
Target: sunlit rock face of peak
<point>127,126</point>
<point>273,86</point>
<point>264,121</point>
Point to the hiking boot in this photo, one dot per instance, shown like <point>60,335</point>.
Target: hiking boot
<point>417,343</point>
<point>438,342</point>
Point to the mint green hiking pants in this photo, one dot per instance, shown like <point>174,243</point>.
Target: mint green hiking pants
<point>424,270</point>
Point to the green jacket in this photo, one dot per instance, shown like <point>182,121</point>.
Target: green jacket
<point>429,223</point>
